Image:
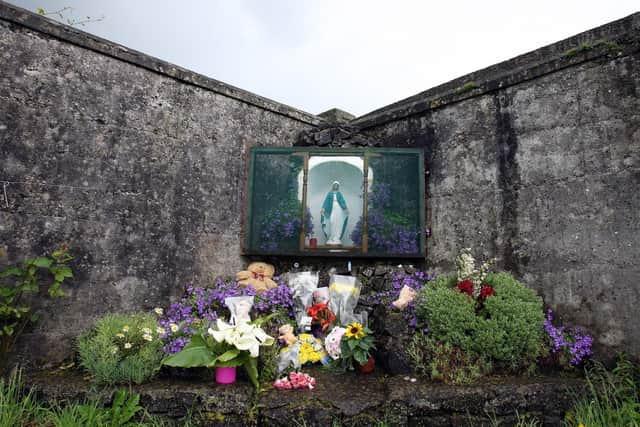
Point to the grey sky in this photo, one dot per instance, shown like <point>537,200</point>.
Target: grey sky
<point>357,55</point>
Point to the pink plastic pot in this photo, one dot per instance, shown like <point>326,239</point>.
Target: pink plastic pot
<point>226,375</point>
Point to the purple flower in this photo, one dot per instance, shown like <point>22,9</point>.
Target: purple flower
<point>416,281</point>
<point>573,341</point>
<point>200,307</point>
<point>387,231</point>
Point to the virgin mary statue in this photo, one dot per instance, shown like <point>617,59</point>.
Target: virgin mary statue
<point>334,215</point>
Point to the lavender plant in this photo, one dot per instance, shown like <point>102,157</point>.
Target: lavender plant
<point>568,343</point>
<point>387,230</point>
<point>281,226</point>
<point>200,307</point>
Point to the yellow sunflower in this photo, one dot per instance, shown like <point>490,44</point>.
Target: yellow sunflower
<point>355,330</point>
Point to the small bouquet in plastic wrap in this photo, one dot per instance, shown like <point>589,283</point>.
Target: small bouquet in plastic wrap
<point>321,317</point>
<point>240,307</point>
<point>303,285</point>
<point>307,349</point>
<point>344,292</point>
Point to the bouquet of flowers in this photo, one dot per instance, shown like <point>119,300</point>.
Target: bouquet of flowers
<point>227,345</point>
<point>321,315</point>
<point>294,381</point>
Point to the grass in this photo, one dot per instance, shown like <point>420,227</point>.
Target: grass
<point>467,87</point>
<point>587,46</point>
<point>16,407</point>
<point>20,408</point>
<point>612,398</point>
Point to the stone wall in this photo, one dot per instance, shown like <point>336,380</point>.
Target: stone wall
<point>139,165</point>
<point>537,161</point>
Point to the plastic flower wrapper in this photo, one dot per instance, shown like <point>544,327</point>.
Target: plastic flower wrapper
<point>344,292</point>
<point>362,318</point>
<point>308,349</point>
<point>288,358</point>
<point>303,285</point>
<point>332,342</point>
<point>239,308</point>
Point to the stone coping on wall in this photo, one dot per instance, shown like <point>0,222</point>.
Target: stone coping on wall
<point>615,39</point>
<point>49,27</point>
<point>349,399</point>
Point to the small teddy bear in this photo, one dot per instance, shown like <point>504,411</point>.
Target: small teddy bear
<point>286,334</point>
<point>406,296</point>
<point>257,275</point>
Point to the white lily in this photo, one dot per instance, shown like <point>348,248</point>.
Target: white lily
<point>242,336</point>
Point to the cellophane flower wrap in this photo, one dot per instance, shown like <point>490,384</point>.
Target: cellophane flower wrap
<point>303,285</point>
<point>344,292</point>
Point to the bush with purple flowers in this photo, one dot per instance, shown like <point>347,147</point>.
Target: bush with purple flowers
<point>281,226</point>
<point>570,345</point>
<point>387,230</point>
<point>416,281</point>
<point>200,307</point>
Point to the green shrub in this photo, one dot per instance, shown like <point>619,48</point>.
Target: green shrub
<point>116,351</point>
<point>513,331</point>
<point>507,327</point>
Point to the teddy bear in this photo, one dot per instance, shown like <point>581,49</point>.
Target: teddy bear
<point>258,275</point>
<point>286,334</point>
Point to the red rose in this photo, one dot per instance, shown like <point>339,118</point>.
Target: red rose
<point>486,291</point>
<point>466,287</point>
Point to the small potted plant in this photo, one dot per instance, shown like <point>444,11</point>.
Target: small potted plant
<point>224,348</point>
<point>355,348</point>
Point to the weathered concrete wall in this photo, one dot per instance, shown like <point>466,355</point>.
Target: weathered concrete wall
<point>139,165</point>
<point>537,161</point>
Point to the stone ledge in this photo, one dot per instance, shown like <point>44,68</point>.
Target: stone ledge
<point>352,399</point>
<point>24,18</point>
<point>624,32</point>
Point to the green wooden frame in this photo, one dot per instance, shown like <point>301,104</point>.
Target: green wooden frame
<point>306,152</point>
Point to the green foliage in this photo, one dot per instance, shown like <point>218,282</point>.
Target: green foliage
<point>612,398</point>
<point>267,362</point>
<point>28,277</point>
<point>122,412</point>
<point>467,87</point>
<point>507,328</point>
<point>445,362</point>
<point>116,351</point>
<point>16,407</point>
<point>204,351</point>
<point>512,330</point>
<point>610,45</point>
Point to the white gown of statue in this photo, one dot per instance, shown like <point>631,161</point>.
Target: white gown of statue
<point>335,222</point>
